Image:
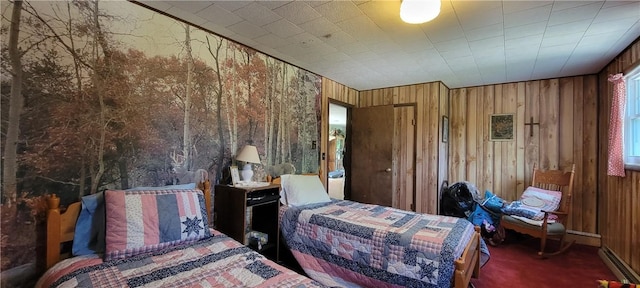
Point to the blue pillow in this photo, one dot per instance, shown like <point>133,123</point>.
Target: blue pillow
<point>169,187</point>
<point>90,226</point>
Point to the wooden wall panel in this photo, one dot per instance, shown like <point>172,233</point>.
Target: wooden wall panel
<point>428,101</point>
<point>507,165</point>
<point>618,198</point>
<point>403,155</point>
<point>443,151</point>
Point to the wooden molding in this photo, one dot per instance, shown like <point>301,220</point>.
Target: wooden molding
<point>583,238</point>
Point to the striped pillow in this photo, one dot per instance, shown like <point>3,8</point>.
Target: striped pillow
<point>148,220</point>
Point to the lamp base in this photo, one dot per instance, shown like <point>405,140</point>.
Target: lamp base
<point>246,173</point>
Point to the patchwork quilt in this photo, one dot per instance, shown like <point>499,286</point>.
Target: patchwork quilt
<point>349,244</point>
<point>217,261</point>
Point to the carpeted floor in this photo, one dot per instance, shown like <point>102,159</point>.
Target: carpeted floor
<point>515,263</point>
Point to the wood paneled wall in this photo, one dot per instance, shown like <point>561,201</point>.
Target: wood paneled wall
<point>431,101</point>
<point>618,198</point>
<point>338,93</point>
<point>566,110</point>
<point>573,117</point>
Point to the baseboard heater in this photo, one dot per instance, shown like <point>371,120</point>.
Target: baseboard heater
<point>617,266</point>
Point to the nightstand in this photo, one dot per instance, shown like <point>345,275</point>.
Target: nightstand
<point>230,210</point>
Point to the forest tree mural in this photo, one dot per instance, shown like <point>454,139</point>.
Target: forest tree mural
<point>110,95</point>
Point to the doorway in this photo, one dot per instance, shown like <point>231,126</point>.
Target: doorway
<point>336,152</point>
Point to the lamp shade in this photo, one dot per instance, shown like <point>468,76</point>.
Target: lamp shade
<point>419,11</point>
<point>248,154</point>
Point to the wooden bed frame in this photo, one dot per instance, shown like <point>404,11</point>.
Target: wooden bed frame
<point>61,226</point>
<point>467,266</point>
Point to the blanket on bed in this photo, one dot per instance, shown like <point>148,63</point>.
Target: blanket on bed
<point>218,261</point>
<point>346,243</point>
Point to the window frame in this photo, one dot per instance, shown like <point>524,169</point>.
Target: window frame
<point>632,112</point>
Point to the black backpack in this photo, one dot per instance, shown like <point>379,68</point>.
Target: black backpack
<point>457,201</point>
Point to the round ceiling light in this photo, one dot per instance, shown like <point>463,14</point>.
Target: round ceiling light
<point>419,11</point>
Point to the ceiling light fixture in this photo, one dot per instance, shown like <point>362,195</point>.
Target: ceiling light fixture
<point>419,11</point>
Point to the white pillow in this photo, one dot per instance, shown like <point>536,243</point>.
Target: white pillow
<point>303,189</point>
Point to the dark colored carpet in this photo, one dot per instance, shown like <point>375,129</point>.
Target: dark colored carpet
<point>515,263</point>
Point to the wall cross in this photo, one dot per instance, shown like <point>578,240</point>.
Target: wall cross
<point>531,127</point>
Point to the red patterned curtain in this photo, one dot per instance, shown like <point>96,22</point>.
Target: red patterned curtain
<point>615,165</point>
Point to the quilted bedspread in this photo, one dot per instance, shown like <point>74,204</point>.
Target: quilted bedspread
<point>349,244</point>
<point>218,261</point>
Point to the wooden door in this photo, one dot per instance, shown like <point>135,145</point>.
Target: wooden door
<point>372,154</point>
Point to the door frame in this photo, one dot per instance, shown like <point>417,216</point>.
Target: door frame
<point>347,148</point>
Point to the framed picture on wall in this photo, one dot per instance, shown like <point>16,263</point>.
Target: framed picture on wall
<point>235,175</point>
<point>445,129</point>
<point>502,127</point>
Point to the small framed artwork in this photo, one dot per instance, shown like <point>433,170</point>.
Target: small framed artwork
<point>235,176</point>
<point>445,129</point>
<point>501,127</point>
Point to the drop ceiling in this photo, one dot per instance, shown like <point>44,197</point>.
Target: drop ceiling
<point>364,44</point>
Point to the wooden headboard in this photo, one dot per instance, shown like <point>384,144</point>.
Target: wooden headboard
<point>61,226</point>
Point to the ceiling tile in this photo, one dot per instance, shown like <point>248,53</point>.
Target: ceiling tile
<point>578,27</point>
<point>273,4</point>
<point>319,27</point>
<point>624,9</point>
<point>495,42</point>
<point>247,29</point>
<point>283,28</point>
<point>181,14</point>
<point>573,14</point>
<point>531,29</point>
<point>612,26</point>
<point>474,14</point>
<point>444,28</point>
<point>219,15</point>
<point>257,14</point>
<point>337,11</point>
<point>339,39</point>
<point>509,7</point>
<point>297,12</point>
<point>568,39</point>
<point>529,16</point>
<point>230,5</point>
<point>485,32</point>
<point>191,6</point>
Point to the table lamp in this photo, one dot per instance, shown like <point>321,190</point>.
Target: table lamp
<point>248,154</point>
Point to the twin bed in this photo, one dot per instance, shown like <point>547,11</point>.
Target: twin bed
<point>350,244</point>
<point>192,255</point>
<point>337,242</point>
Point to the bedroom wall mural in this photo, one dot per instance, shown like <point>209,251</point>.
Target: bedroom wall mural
<point>116,96</point>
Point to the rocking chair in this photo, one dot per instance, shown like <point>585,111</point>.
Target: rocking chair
<point>556,180</point>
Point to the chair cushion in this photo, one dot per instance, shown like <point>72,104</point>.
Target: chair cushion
<point>552,228</point>
<point>532,202</point>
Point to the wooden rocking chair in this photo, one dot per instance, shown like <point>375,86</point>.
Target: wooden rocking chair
<point>556,180</point>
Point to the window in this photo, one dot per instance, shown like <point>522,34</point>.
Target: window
<point>632,120</point>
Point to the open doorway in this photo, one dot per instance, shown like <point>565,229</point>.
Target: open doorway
<point>336,151</point>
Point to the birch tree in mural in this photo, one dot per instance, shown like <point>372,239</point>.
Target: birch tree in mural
<point>214,51</point>
<point>16,100</point>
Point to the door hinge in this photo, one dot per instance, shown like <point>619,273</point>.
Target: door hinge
<point>413,122</point>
